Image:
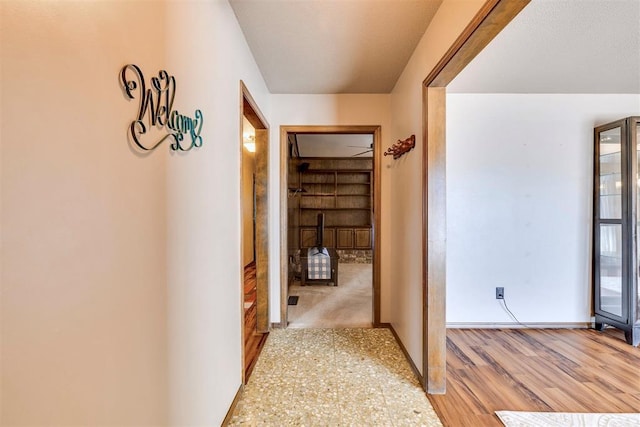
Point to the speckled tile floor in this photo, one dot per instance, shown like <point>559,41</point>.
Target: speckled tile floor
<point>333,377</point>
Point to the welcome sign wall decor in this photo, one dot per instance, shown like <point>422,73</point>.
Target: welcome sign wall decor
<point>156,104</point>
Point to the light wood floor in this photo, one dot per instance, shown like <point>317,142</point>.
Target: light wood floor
<point>536,370</point>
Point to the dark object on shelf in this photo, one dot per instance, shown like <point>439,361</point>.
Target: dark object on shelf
<point>401,147</point>
<point>293,300</point>
<point>320,231</point>
<point>615,225</point>
<point>302,167</point>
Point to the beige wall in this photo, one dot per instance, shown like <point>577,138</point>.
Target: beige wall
<point>405,174</point>
<point>84,301</point>
<point>318,110</point>
<point>206,46</point>
<point>121,272</point>
<point>534,235</point>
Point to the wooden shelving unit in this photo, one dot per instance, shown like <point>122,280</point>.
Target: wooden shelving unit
<point>345,196</point>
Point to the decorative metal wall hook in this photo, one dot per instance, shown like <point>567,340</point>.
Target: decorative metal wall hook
<point>401,147</point>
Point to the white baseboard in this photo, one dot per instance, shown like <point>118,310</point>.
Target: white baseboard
<point>513,325</point>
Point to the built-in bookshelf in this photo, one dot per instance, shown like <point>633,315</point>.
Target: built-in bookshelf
<point>341,189</point>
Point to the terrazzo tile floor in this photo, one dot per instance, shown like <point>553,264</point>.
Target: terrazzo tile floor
<point>333,377</point>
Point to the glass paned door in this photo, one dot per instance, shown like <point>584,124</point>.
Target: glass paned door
<point>611,174</point>
<point>616,227</point>
<point>636,179</point>
<point>611,268</point>
<point>611,275</point>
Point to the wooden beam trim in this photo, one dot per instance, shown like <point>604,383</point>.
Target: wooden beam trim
<point>253,113</point>
<point>486,24</point>
<point>460,41</point>
<point>284,255</point>
<point>436,218</point>
<point>376,131</point>
<point>262,229</point>
<point>310,129</point>
<point>425,246</point>
<point>493,16</point>
<point>377,223</point>
<point>250,110</point>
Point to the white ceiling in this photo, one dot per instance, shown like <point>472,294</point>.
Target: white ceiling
<point>333,46</point>
<point>361,46</point>
<point>334,145</point>
<point>561,46</point>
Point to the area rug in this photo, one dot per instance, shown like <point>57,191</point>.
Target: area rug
<point>562,419</point>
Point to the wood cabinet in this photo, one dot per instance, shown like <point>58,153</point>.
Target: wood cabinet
<point>345,197</point>
<point>345,238</point>
<point>353,238</point>
<point>362,238</point>
<point>616,227</point>
<point>308,237</point>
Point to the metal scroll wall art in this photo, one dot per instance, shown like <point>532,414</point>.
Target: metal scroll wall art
<point>401,147</point>
<point>156,104</point>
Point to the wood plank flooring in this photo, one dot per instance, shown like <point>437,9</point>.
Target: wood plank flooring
<point>549,370</point>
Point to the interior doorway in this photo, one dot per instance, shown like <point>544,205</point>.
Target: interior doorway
<point>254,148</point>
<point>492,17</point>
<point>331,210</point>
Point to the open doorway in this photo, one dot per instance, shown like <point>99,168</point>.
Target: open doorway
<point>492,17</point>
<point>330,176</point>
<point>254,244</point>
<point>330,201</point>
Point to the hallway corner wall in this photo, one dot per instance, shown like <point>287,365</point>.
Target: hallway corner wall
<point>406,305</point>
<point>121,271</point>
<point>326,110</point>
<point>205,45</point>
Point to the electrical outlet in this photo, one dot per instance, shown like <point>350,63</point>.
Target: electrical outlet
<point>499,293</point>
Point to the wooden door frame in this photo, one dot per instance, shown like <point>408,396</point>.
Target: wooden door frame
<point>377,204</point>
<point>249,109</point>
<point>492,17</point>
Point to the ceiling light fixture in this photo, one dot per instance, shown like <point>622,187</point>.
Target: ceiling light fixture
<point>250,143</point>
